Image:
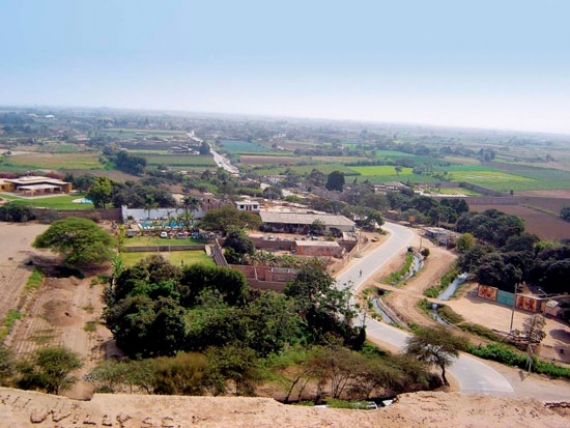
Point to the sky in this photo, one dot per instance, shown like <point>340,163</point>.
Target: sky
<point>487,64</point>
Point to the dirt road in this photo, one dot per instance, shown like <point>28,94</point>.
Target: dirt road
<point>15,248</point>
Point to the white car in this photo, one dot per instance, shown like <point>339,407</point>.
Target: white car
<point>163,235</point>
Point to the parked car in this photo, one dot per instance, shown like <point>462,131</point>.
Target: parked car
<point>163,235</point>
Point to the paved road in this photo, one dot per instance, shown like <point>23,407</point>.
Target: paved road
<point>473,375</point>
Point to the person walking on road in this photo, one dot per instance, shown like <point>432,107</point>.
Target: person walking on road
<point>360,273</point>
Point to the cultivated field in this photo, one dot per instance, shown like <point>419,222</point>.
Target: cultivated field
<point>199,162</point>
<point>84,161</point>
<point>239,146</point>
<point>268,160</point>
<point>546,226</point>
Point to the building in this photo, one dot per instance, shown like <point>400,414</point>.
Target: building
<point>389,186</point>
<point>251,206</point>
<point>34,185</point>
<point>318,248</point>
<point>300,221</point>
<point>439,235</point>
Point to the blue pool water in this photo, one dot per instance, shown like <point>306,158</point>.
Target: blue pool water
<point>172,225</point>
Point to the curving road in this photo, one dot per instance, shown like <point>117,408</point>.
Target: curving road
<point>473,375</point>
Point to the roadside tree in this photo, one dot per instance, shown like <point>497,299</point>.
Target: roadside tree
<point>436,346</point>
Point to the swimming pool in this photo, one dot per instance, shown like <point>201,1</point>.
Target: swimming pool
<point>83,201</point>
<point>158,225</point>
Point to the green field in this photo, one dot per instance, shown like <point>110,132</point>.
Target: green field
<point>55,161</point>
<point>143,241</point>
<point>380,170</point>
<point>64,202</point>
<point>177,258</point>
<point>488,178</point>
<point>139,133</point>
<point>457,191</point>
<point>52,147</point>
<point>306,169</point>
<point>243,147</point>
<point>206,161</point>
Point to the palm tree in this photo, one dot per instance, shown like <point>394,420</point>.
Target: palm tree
<point>436,346</point>
<point>190,204</point>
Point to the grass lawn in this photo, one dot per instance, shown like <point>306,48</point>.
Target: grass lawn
<point>63,202</point>
<point>177,258</point>
<point>142,241</point>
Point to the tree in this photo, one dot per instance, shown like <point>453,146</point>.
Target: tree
<point>317,227</point>
<point>78,241</point>
<point>436,346</point>
<point>272,192</point>
<point>100,192</point>
<point>335,181</point>
<point>16,211</point>
<point>464,243</point>
<point>224,217</point>
<point>50,369</point>
<point>398,170</point>
<point>565,213</point>
<point>237,240</point>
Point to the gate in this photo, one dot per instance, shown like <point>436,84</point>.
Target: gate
<point>505,298</point>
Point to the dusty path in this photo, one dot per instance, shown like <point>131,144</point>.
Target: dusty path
<point>15,248</point>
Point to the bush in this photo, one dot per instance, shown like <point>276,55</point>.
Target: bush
<point>449,315</point>
<point>444,282</point>
<point>504,354</point>
<point>479,330</point>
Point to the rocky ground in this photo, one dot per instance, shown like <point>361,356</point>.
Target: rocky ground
<point>30,409</point>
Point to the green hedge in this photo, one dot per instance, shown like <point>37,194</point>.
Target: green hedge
<point>506,355</point>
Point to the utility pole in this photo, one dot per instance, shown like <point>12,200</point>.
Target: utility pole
<point>513,310</point>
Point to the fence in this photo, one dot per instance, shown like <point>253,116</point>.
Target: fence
<point>163,248</point>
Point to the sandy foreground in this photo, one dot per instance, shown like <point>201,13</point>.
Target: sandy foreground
<point>425,409</point>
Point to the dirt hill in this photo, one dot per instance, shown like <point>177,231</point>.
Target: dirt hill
<point>30,409</point>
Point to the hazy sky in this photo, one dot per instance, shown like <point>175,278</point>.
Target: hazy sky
<point>501,63</point>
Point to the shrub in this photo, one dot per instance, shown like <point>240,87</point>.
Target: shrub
<point>449,315</point>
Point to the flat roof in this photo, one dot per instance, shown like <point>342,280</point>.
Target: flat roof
<point>35,180</point>
<point>304,218</point>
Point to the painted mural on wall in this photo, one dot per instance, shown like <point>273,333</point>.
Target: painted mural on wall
<point>487,293</point>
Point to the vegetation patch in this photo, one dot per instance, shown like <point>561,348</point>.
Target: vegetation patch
<point>395,278</point>
<point>63,202</point>
<point>449,315</point>
<point>34,280</point>
<point>444,282</point>
<point>90,326</point>
<point>205,161</point>
<point>480,331</point>
<point>55,161</point>
<point>240,146</point>
<point>9,322</point>
<point>507,355</point>
<point>177,258</point>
